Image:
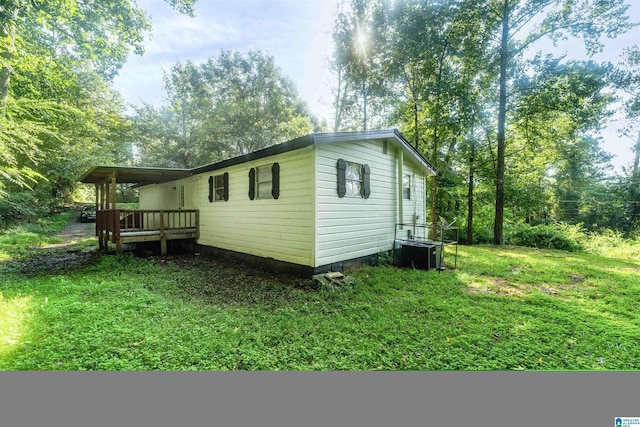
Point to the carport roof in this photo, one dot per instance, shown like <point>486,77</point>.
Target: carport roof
<point>132,175</point>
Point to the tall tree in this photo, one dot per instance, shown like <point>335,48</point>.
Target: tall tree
<point>230,105</point>
<point>43,44</point>
<point>437,71</point>
<point>626,78</point>
<point>359,34</point>
<point>519,24</point>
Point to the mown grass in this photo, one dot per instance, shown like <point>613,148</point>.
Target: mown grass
<point>501,309</point>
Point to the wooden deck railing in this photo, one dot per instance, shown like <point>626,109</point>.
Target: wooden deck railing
<point>126,225</point>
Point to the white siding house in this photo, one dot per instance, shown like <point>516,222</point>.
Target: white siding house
<point>318,202</point>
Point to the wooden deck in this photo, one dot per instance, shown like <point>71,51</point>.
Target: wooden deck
<point>131,226</point>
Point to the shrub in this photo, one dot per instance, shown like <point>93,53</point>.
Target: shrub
<point>20,206</point>
<point>543,237</point>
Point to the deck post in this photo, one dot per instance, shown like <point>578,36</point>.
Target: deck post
<point>97,207</point>
<point>163,239</point>
<point>107,194</point>
<point>113,191</point>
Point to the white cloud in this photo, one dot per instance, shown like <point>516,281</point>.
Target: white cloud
<point>295,32</point>
<point>179,34</point>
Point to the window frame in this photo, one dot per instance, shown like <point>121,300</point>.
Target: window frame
<point>406,189</point>
<point>364,179</point>
<point>259,182</point>
<point>215,187</point>
<point>218,190</point>
<point>360,181</point>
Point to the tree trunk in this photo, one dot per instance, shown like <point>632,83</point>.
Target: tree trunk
<point>339,102</point>
<point>470,193</point>
<point>498,237</point>
<point>364,106</point>
<point>436,144</point>
<point>633,189</point>
<point>434,186</point>
<point>8,37</point>
<point>415,122</point>
<point>637,159</point>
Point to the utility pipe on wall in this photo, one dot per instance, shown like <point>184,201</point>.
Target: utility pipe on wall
<point>400,158</point>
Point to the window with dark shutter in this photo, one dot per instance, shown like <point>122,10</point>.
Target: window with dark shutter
<point>218,188</point>
<point>342,168</point>
<point>264,182</point>
<point>225,184</point>
<point>275,180</point>
<point>353,179</point>
<point>252,183</point>
<point>366,186</point>
<point>210,189</point>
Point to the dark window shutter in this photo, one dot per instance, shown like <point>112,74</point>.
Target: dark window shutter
<point>275,180</point>
<point>210,189</point>
<point>252,183</point>
<point>225,180</point>
<point>366,187</point>
<point>342,170</point>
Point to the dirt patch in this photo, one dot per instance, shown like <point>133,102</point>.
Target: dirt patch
<point>54,261</point>
<point>73,233</point>
<point>495,286</point>
<point>70,253</point>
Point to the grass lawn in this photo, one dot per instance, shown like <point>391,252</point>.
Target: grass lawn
<point>501,309</point>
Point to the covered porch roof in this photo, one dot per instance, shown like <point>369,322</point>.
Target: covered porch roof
<point>132,175</point>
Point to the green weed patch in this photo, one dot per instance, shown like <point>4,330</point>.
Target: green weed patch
<point>501,309</point>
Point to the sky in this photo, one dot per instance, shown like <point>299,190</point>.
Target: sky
<point>297,33</point>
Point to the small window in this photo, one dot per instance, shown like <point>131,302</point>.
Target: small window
<point>180,196</point>
<point>219,187</point>
<point>354,179</point>
<point>406,186</point>
<point>264,180</point>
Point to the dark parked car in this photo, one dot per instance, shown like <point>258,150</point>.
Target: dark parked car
<point>88,214</point>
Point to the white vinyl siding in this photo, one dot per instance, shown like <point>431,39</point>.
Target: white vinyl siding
<point>272,228</point>
<point>352,227</point>
<point>158,196</point>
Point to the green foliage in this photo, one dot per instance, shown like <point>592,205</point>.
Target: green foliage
<point>575,237</point>
<point>58,111</point>
<point>439,85</point>
<point>540,236</point>
<point>20,206</point>
<point>33,230</point>
<point>230,105</point>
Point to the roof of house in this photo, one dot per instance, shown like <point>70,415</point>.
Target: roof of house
<point>393,136</point>
<point>144,176</point>
<point>132,175</point>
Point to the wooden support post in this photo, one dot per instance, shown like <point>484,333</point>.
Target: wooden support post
<point>95,226</point>
<point>107,194</point>
<point>163,239</point>
<point>100,223</point>
<point>113,192</point>
<point>103,195</point>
